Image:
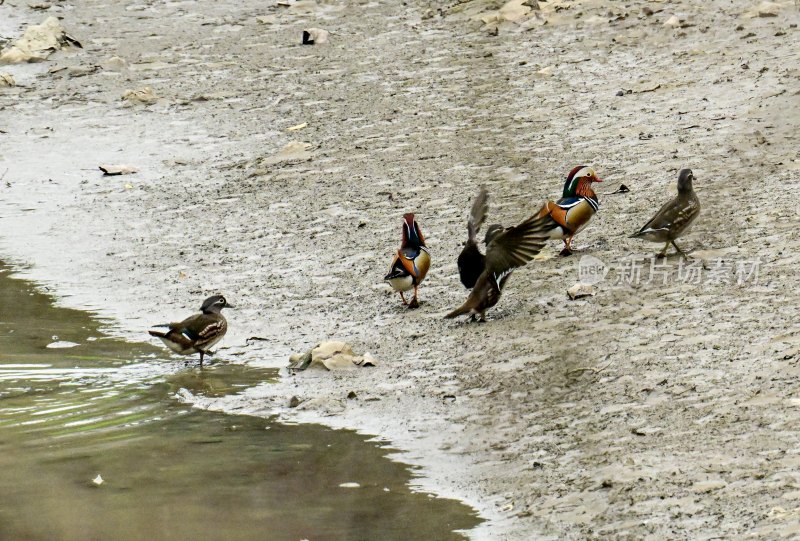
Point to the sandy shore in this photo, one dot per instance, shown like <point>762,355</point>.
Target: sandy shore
<point>662,407</point>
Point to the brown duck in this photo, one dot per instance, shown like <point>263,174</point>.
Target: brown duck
<point>506,249</point>
<point>672,220</point>
<point>471,261</point>
<point>197,333</point>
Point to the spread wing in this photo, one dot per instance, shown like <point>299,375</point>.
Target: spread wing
<point>477,214</point>
<point>517,245</point>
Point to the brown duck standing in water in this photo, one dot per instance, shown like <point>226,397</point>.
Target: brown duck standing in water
<point>197,333</point>
<point>506,249</point>
<point>672,219</point>
<point>411,262</point>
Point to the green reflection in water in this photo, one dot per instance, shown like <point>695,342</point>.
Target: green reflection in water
<point>170,472</point>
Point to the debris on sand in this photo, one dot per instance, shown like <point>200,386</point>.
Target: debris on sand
<point>6,79</point>
<point>294,151</point>
<point>145,96</point>
<point>37,43</point>
<point>581,290</point>
<point>111,170</point>
<point>764,9</point>
<point>315,36</point>
<point>331,355</point>
<point>115,63</point>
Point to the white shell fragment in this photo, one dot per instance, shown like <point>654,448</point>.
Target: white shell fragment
<point>581,290</point>
<point>315,36</point>
<point>61,344</point>
<point>144,95</point>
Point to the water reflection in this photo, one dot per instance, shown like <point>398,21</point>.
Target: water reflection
<point>169,472</point>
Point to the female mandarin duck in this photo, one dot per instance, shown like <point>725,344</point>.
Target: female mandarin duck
<point>471,261</point>
<point>411,263</point>
<point>576,207</point>
<point>197,333</point>
<point>506,249</point>
<point>674,217</point>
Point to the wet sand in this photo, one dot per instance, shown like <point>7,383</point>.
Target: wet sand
<point>650,409</point>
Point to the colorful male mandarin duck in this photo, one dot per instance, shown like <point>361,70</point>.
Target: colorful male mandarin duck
<point>674,217</point>
<point>411,263</point>
<point>506,249</point>
<point>197,333</point>
<point>471,261</point>
<point>576,207</point>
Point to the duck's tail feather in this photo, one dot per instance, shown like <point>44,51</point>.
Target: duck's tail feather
<point>460,311</point>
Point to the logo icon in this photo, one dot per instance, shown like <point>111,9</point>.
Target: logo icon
<point>591,270</point>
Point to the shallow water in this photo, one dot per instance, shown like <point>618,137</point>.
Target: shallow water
<point>105,408</point>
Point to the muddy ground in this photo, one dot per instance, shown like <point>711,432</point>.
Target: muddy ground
<point>662,407</point>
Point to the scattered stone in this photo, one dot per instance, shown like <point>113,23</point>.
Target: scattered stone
<point>622,189</point>
<point>97,481</point>
<point>81,71</point>
<point>367,360</point>
<point>115,63</point>
<point>294,402</point>
<point>294,151</point>
<point>764,9</point>
<point>112,170</point>
<point>37,43</point>
<point>352,395</point>
<point>315,36</point>
<point>6,79</point>
<point>299,361</point>
<point>145,96</point>
<point>580,290</point>
<point>711,485</point>
<point>266,19</point>
<point>349,485</point>
<point>673,22</point>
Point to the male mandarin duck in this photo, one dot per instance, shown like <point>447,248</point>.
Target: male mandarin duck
<point>506,249</point>
<point>674,217</point>
<point>471,261</point>
<point>411,263</point>
<point>572,212</point>
<point>197,333</point>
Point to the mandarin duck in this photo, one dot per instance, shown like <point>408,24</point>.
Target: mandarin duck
<point>197,333</point>
<point>674,217</point>
<point>471,261</point>
<point>506,249</point>
<point>576,207</point>
<point>411,262</point>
